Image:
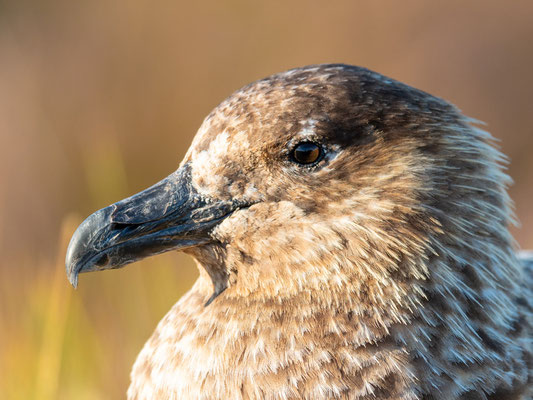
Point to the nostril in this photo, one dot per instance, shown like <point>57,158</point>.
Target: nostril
<point>118,231</point>
<point>118,226</point>
<point>121,226</point>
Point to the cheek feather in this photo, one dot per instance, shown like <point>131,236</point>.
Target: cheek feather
<point>214,171</point>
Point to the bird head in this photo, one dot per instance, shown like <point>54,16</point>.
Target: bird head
<point>315,179</point>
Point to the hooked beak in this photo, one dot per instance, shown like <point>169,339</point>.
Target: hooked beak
<point>170,215</point>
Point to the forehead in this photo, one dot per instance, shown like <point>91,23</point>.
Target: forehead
<point>333,99</point>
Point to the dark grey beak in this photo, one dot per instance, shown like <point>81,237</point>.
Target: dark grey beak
<point>168,216</point>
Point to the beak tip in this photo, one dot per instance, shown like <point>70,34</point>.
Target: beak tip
<point>80,244</point>
<point>73,279</point>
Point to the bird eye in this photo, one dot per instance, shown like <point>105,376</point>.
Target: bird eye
<point>306,153</point>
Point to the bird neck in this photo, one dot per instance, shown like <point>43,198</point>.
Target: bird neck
<point>308,344</point>
<point>419,330</point>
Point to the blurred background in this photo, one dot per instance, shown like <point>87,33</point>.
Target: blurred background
<point>100,99</point>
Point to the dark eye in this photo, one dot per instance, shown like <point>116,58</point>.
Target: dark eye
<point>306,153</point>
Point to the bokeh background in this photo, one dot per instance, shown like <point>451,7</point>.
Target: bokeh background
<point>100,99</point>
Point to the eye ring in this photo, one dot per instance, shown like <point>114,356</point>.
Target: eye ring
<point>307,153</point>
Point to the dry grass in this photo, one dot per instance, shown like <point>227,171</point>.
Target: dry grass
<point>61,343</point>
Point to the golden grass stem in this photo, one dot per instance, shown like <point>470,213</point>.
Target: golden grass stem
<point>58,302</point>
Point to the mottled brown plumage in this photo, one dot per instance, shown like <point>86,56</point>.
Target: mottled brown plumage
<point>384,271</point>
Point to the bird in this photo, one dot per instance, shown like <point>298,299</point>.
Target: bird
<point>352,240</point>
